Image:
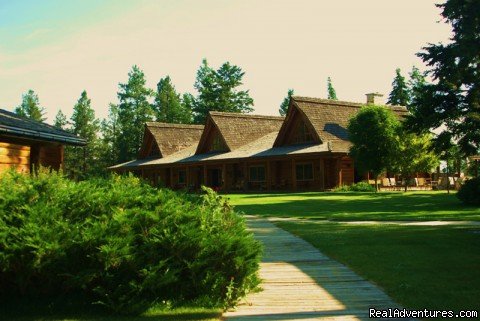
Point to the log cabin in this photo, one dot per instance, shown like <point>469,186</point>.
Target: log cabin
<point>308,149</point>
<point>25,144</point>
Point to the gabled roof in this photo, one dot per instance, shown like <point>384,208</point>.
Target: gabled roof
<point>237,130</point>
<point>169,138</point>
<point>13,125</point>
<point>328,118</point>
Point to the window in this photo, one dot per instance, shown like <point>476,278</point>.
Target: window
<point>257,174</point>
<point>182,177</point>
<point>304,172</point>
<point>302,134</point>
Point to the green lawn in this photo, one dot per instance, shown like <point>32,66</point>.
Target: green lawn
<point>420,267</point>
<point>396,206</point>
<point>41,313</point>
<point>435,267</point>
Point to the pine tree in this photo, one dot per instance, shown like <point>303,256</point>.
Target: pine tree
<point>332,94</point>
<point>416,85</point>
<point>81,162</point>
<point>168,105</point>
<point>218,91</point>
<point>399,94</point>
<point>134,110</point>
<point>108,151</point>
<point>285,103</point>
<point>30,107</point>
<point>453,100</point>
<point>60,120</point>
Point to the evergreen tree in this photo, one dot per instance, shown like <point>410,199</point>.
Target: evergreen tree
<point>108,151</point>
<point>134,110</point>
<point>82,161</point>
<point>416,86</point>
<point>218,90</point>
<point>332,94</point>
<point>286,101</point>
<point>30,107</point>
<point>399,94</point>
<point>60,120</point>
<point>168,105</point>
<point>453,100</point>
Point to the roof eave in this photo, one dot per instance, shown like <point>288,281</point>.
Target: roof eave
<point>26,133</point>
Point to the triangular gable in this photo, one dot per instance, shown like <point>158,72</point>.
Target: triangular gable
<point>149,148</point>
<point>212,139</point>
<point>297,128</point>
<point>163,139</point>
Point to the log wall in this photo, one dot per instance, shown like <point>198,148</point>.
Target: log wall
<point>14,156</point>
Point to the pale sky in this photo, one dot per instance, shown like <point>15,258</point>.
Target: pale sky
<point>59,48</point>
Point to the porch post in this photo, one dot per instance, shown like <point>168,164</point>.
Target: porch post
<point>224,176</point>
<point>245,176</point>
<point>322,174</point>
<point>339,171</point>
<point>171,178</point>
<point>294,174</point>
<point>205,172</point>
<point>187,178</point>
<point>269,176</point>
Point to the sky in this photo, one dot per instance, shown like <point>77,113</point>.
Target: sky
<point>59,48</point>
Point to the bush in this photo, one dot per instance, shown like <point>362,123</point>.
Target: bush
<point>469,193</point>
<point>357,187</point>
<point>121,243</point>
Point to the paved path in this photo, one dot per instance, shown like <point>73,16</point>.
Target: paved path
<point>300,283</point>
<point>403,223</point>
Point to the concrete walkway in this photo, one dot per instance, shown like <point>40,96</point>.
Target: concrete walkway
<point>300,283</point>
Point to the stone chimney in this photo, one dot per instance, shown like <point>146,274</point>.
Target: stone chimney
<point>375,99</point>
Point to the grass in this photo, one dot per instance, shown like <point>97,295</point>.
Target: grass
<point>36,312</point>
<point>420,267</point>
<point>435,267</point>
<point>393,206</point>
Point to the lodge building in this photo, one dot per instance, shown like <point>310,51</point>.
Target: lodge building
<point>26,144</point>
<point>306,150</point>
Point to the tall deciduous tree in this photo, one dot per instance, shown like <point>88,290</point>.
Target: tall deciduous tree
<point>286,101</point>
<point>373,135</point>
<point>168,106</point>
<point>82,161</point>
<point>60,120</point>
<point>218,91</point>
<point>332,94</point>
<point>416,85</point>
<point>30,107</point>
<point>108,151</point>
<point>453,100</point>
<point>134,109</point>
<point>400,93</point>
<point>413,154</point>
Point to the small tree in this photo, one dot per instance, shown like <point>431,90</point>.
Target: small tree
<point>286,101</point>
<point>414,154</point>
<point>332,94</point>
<point>400,93</point>
<point>30,107</point>
<point>373,135</point>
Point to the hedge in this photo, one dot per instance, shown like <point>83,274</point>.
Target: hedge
<point>121,243</point>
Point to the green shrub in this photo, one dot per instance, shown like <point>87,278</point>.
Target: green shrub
<point>469,193</point>
<point>121,243</point>
<point>356,187</point>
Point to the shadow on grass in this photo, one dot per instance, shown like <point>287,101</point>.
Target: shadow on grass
<point>358,206</point>
<point>41,310</point>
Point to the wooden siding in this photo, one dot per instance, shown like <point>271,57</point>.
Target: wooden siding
<point>14,156</point>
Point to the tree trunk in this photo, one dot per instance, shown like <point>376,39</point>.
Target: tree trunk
<point>376,183</point>
<point>448,180</point>
<point>406,182</point>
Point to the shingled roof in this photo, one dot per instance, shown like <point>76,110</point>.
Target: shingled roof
<point>328,118</point>
<point>237,129</point>
<point>169,138</point>
<point>13,125</point>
